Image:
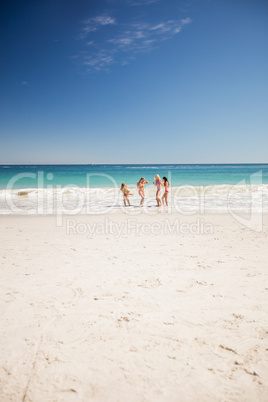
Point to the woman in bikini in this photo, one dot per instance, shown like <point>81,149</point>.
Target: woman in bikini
<point>126,193</point>
<point>158,183</point>
<point>140,187</point>
<point>166,186</point>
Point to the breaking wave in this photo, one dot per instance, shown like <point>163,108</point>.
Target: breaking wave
<point>78,200</point>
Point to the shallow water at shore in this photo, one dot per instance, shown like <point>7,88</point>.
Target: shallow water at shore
<point>184,199</point>
<point>89,189</point>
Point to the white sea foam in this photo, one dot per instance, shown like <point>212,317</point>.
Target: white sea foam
<point>184,199</point>
<point>142,167</point>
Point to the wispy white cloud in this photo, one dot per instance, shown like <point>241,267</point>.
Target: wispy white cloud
<point>141,2</point>
<point>124,42</point>
<point>98,61</point>
<point>93,24</point>
<point>186,21</point>
<point>170,26</point>
<point>24,83</point>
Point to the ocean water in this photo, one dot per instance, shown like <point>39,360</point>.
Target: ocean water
<point>71,189</point>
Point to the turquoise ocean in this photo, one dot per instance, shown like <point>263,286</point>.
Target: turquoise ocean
<point>47,189</point>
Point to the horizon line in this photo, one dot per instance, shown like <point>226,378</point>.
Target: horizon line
<point>128,164</point>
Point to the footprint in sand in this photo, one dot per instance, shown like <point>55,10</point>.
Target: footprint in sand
<point>151,283</point>
<point>204,283</point>
<point>228,349</point>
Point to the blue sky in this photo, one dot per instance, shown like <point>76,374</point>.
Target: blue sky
<point>134,81</point>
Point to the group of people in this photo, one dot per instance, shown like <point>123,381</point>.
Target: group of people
<point>140,186</point>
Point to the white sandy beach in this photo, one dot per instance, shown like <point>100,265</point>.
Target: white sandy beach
<point>141,316</point>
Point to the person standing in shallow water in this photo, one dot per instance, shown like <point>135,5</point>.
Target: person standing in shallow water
<point>166,187</point>
<point>158,183</point>
<point>125,190</point>
<point>140,187</point>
